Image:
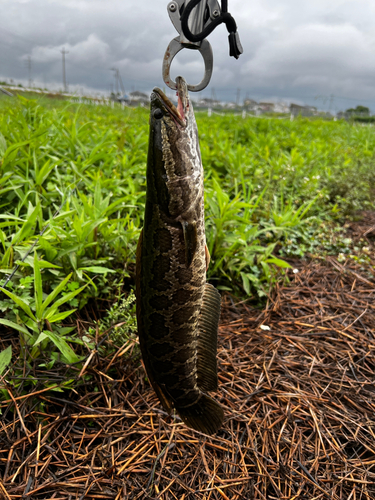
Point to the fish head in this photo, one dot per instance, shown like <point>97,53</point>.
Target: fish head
<point>163,111</point>
<point>174,157</point>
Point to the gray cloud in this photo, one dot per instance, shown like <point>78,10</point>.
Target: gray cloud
<point>291,50</point>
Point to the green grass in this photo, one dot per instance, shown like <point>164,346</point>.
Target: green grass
<point>270,185</point>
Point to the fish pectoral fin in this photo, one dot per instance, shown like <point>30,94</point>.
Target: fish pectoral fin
<point>208,324</point>
<point>191,240</point>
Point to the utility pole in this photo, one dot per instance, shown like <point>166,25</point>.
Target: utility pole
<point>63,52</point>
<point>238,96</point>
<point>28,64</point>
<point>118,81</point>
<point>115,74</point>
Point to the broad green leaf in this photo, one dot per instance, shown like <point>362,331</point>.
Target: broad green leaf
<point>60,316</point>
<point>246,283</point>
<point>97,269</point>
<point>3,145</point>
<point>11,217</point>
<point>21,303</point>
<point>63,347</point>
<point>62,300</point>
<point>27,226</point>
<point>56,389</point>
<point>278,262</point>
<point>63,215</point>
<point>5,358</point>
<point>44,172</point>
<point>37,286</point>
<point>44,264</point>
<point>7,259</point>
<point>54,293</point>
<point>10,188</point>
<point>42,336</point>
<point>4,178</point>
<point>16,326</point>
<point>13,148</point>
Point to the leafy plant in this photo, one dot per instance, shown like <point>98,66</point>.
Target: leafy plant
<point>5,358</point>
<point>233,239</point>
<point>270,186</point>
<point>37,317</point>
<point>119,320</point>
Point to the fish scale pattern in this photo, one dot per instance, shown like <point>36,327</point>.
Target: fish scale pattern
<point>171,269</point>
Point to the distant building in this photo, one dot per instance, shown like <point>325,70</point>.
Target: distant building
<point>266,107</point>
<point>124,98</point>
<point>250,105</point>
<point>138,98</point>
<point>281,107</point>
<point>230,105</point>
<point>296,109</point>
<point>324,114</point>
<point>206,102</point>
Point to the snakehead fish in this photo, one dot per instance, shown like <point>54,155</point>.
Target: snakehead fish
<point>177,311</point>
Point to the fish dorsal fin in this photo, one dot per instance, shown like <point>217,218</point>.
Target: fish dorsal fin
<point>208,324</point>
<point>191,239</point>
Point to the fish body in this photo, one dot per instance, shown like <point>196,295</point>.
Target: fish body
<point>177,311</point>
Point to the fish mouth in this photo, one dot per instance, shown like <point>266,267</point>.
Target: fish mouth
<point>178,112</point>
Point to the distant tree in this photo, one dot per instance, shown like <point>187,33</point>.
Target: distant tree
<point>359,110</point>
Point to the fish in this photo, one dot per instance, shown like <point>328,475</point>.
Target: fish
<point>177,310</point>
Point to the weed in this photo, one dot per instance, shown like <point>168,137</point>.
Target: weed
<point>119,321</point>
<point>270,185</point>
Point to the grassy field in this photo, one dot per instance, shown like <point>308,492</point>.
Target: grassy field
<point>274,189</point>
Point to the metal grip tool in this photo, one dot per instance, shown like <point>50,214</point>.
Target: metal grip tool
<point>194,20</point>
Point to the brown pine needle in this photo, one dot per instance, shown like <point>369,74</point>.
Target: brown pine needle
<point>298,399</point>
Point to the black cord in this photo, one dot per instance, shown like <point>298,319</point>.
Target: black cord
<point>235,47</point>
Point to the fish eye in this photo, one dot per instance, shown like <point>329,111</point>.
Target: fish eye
<point>158,113</point>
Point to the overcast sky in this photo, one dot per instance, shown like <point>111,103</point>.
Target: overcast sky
<point>293,50</point>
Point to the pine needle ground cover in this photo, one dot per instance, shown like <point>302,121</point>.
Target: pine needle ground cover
<point>296,364</point>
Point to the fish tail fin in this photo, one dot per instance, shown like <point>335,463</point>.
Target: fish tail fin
<point>206,415</point>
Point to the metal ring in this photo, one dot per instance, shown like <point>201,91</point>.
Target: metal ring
<point>174,48</point>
